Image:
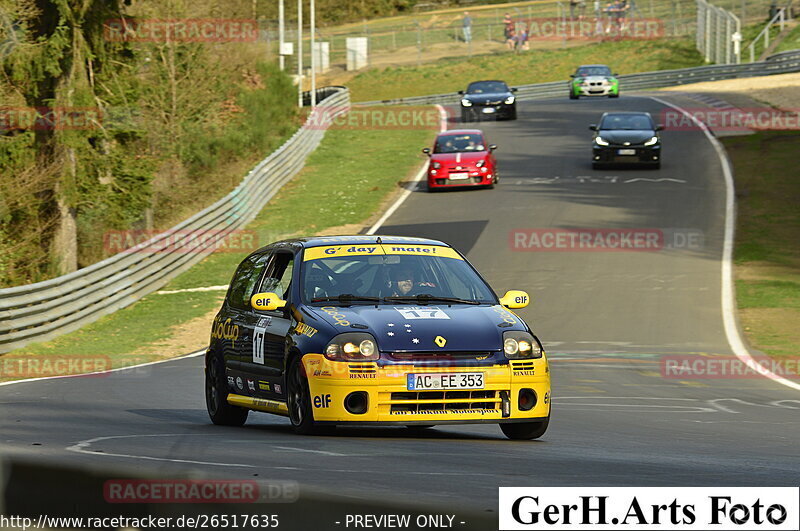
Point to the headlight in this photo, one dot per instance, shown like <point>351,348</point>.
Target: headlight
<point>652,141</point>
<point>466,103</point>
<point>599,141</point>
<point>510,100</point>
<point>521,345</point>
<point>352,346</point>
<point>436,165</point>
<point>480,163</point>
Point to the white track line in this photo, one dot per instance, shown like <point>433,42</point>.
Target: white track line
<point>728,299</point>
<point>190,355</point>
<point>418,177</point>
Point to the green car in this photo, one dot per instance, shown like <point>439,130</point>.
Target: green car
<point>593,80</point>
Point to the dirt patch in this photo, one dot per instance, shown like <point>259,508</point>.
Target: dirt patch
<point>184,338</point>
<point>781,91</point>
<point>778,329</point>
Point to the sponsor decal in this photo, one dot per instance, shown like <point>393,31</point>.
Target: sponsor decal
<point>319,372</point>
<point>251,384</point>
<point>304,329</point>
<point>360,375</point>
<point>231,381</point>
<point>524,373</point>
<point>449,412</point>
<point>322,401</point>
<point>336,314</point>
<point>240,383</point>
<point>278,389</point>
<point>315,253</point>
<point>641,508</point>
<point>440,341</point>
<point>262,385</point>
<point>421,312</point>
<point>547,397</point>
<point>507,316</point>
<point>226,330</point>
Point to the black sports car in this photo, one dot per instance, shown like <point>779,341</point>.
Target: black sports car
<point>488,98</point>
<point>626,138</point>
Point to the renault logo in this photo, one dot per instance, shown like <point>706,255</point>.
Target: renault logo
<point>440,341</point>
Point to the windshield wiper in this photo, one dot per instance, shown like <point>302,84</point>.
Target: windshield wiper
<point>426,298</point>
<point>346,298</point>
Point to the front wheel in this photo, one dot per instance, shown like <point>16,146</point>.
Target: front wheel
<point>525,431</point>
<point>299,399</point>
<point>614,95</point>
<point>221,413</point>
<point>465,116</point>
<point>573,96</point>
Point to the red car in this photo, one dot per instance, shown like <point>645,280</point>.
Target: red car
<point>461,157</point>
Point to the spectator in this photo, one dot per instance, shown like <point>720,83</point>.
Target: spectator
<point>508,27</point>
<point>466,27</point>
<point>522,39</point>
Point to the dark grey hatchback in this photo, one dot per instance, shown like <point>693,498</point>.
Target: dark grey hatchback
<point>626,138</point>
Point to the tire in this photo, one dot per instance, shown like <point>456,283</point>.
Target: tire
<point>573,96</point>
<point>420,427</point>
<point>656,166</point>
<point>298,399</point>
<point>614,95</point>
<point>512,115</point>
<point>596,166</point>
<point>525,431</point>
<point>220,412</point>
<point>465,116</point>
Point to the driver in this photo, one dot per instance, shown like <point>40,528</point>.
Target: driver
<point>403,283</point>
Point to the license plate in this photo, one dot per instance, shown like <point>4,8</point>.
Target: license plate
<point>459,175</point>
<point>445,381</point>
<point>626,152</point>
<point>488,110</point>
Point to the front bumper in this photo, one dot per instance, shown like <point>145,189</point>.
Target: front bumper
<point>608,89</point>
<point>390,402</point>
<point>476,178</point>
<point>501,110</point>
<point>611,154</point>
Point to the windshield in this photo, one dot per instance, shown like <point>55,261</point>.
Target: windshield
<point>459,143</point>
<point>487,87</point>
<point>627,122</point>
<point>593,71</point>
<point>390,275</point>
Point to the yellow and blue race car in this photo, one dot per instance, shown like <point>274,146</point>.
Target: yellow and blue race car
<point>373,330</point>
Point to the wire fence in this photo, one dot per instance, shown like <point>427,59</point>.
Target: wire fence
<point>719,34</point>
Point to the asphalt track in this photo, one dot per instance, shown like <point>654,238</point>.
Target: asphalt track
<point>606,318</point>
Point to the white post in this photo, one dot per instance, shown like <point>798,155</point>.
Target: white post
<point>313,57</point>
<point>300,52</point>
<point>281,35</point>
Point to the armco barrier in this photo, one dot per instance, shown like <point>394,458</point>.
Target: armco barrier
<point>41,311</point>
<point>782,63</point>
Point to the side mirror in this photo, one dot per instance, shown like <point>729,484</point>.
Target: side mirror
<point>572,75</point>
<point>660,127</point>
<point>514,299</point>
<point>427,151</point>
<point>492,147</point>
<point>461,92</point>
<point>266,302</point>
<point>593,127</point>
<point>615,74</point>
<point>514,89</point>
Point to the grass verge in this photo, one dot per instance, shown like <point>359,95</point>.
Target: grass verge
<point>767,256</point>
<point>345,182</point>
<point>535,66</point>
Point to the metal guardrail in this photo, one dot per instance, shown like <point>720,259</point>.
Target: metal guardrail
<point>782,63</point>
<point>44,310</point>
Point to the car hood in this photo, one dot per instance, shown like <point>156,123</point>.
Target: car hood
<point>594,78</point>
<point>484,98</point>
<point>456,158</point>
<point>410,328</point>
<point>619,136</point>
